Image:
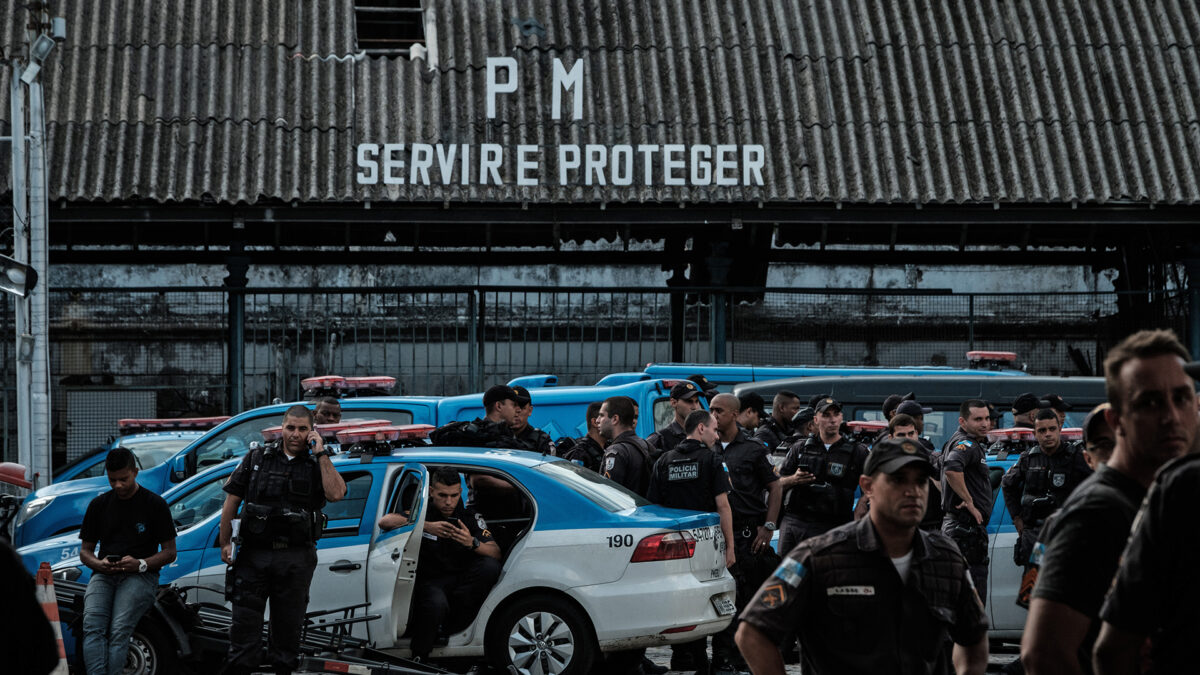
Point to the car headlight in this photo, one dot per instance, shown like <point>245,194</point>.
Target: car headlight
<point>32,507</point>
<point>68,573</point>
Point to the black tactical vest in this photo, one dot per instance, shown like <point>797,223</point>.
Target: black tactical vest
<point>830,497</point>
<point>1049,480</point>
<point>282,504</point>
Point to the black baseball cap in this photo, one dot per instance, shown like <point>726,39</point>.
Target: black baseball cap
<point>703,382</point>
<point>1054,401</point>
<point>523,398</point>
<point>1024,403</point>
<point>500,392</point>
<point>912,408</point>
<point>891,402</point>
<point>685,390</point>
<point>814,400</point>
<point>825,404</point>
<point>892,454</point>
<point>752,401</point>
<point>1094,419</point>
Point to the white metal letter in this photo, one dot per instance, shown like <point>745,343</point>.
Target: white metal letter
<point>493,87</point>
<point>370,173</point>
<point>524,164</point>
<point>572,80</point>
<point>393,169</point>
<point>565,163</point>
<point>491,154</point>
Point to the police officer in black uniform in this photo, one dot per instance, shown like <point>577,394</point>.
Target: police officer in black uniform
<point>280,488</point>
<point>627,459</point>
<point>684,399</point>
<point>874,596</point>
<point>1023,408</point>
<point>587,450</point>
<point>821,475</point>
<point>1040,482</point>
<point>774,430</point>
<point>533,438</point>
<point>753,412</point>
<point>753,517</point>
<point>967,490</point>
<point>493,430</point>
<point>457,567</point>
<point>690,476</point>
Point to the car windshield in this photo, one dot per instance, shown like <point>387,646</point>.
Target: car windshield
<point>199,504</point>
<point>154,451</point>
<point>606,494</point>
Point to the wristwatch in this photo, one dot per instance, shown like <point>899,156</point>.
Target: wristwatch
<point>475,543</point>
<point>319,455</point>
<point>142,566</point>
<point>770,525</point>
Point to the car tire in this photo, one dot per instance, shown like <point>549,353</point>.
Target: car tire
<point>541,635</point>
<point>151,651</point>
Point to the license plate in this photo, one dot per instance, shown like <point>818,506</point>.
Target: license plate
<point>723,605</point>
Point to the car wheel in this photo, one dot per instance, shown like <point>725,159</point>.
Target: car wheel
<point>541,635</point>
<point>151,652</point>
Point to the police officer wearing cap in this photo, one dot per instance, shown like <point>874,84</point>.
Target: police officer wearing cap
<point>821,475</point>
<point>1040,482</point>
<point>690,476</point>
<point>877,595</point>
<point>588,450</point>
<point>967,490</point>
<point>774,430</point>
<point>1023,409</point>
<point>533,438</point>
<point>684,399</point>
<point>280,488</point>
<point>493,430</point>
<point>754,519</point>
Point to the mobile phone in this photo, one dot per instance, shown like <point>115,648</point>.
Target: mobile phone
<point>112,558</point>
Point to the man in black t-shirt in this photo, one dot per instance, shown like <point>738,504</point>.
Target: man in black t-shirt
<point>456,568</point>
<point>1079,548</point>
<point>137,538</point>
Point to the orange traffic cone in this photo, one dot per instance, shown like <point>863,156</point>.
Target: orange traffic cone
<point>45,595</point>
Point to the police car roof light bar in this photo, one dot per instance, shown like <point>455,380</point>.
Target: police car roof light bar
<point>1072,434</point>
<point>133,425</point>
<point>381,382</point>
<point>323,382</point>
<point>867,425</point>
<point>991,360</point>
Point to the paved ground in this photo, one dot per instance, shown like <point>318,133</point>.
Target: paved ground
<point>662,656</point>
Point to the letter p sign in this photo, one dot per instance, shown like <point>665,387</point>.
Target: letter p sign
<point>495,63</point>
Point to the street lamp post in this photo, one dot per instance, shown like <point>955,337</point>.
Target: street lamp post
<point>31,245</point>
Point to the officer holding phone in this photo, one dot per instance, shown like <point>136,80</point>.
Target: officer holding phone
<point>280,489</point>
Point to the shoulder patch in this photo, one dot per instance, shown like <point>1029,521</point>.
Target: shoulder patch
<point>610,462</point>
<point>790,572</point>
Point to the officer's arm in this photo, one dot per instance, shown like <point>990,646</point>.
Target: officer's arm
<point>726,515</point>
<point>760,653</point>
<point>1012,485</point>
<point>1116,651</point>
<point>228,513</point>
<point>331,480</point>
<point>490,549</point>
<point>774,501</point>
<point>959,484</point>
<point>971,659</point>
<point>1053,633</point>
<point>479,480</point>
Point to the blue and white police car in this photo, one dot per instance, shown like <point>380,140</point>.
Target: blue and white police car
<point>588,567</point>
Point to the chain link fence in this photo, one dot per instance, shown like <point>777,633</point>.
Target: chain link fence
<point>165,352</point>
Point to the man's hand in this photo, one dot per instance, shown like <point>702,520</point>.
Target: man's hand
<point>453,530</point>
<point>763,539</point>
<point>126,564</point>
<point>316,444</point>
<point>1019,524</point>
<point>227,553</point>
<point>973,511</point>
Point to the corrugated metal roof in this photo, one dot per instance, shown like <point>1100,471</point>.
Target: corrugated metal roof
<point>866,101</point>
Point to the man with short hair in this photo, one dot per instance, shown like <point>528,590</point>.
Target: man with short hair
<point>903,425</point>
<point>967,490</point>
<point>588,450</point>
<point>1153,414</point>
<point>820,475</point>
<point>877,595</point>
<point>1023,408</point>
<point>753,412</point>
<point>775,429</point>
<point>1040,482</point>
<point>754,519</point>
<point>137,538</point>
<point>684,399</point>
<point>280,489</point>
<point>457,566</point>
<point>533,438</point>
<point>627,459</point>
<point>328,411</point>
<point>691,476</point>
<point>1058,405</point>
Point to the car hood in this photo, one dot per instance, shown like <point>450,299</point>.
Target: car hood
<point>57,549</point>
<point>94,485</point>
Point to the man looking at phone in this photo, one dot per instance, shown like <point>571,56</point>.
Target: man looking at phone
<point>456,568</point>
<point>136,536</point>
<point>283,486</point>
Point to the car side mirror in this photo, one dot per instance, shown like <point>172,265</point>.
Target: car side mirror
<point>179,469</point>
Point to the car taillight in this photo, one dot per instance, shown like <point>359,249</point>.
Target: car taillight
<point>669,546</point>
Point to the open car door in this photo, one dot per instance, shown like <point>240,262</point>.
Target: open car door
<point>392,560</point>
